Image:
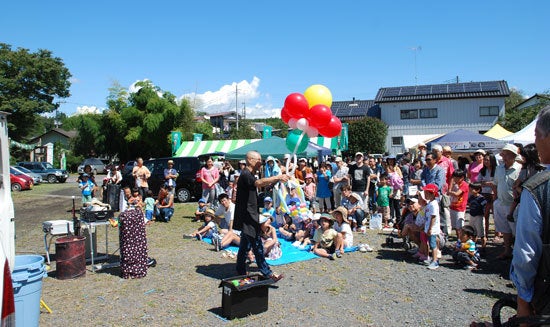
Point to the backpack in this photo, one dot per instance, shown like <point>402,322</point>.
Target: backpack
<point>541,295</point>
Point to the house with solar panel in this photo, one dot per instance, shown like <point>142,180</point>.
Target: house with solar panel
<point>416,113</point>
<point>352,110</point>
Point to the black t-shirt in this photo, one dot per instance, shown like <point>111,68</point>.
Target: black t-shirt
<point>359,176</point>
<point>246,205</point>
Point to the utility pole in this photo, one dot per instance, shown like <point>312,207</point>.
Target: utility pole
<point>236,104</point>
<point>244,109</point>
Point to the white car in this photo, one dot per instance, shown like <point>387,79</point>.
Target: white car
<point>36,178</point>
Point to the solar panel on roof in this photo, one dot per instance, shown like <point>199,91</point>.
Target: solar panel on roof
<point>456,88</point>
<point>439,89</point>
<point>409,90</point>
<point>393,92</point>
<point>358,112</point>
<point>424,90</point>
<point>490,86</point>
<point>472,87</point>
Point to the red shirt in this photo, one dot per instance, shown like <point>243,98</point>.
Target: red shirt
<point>458,203</point>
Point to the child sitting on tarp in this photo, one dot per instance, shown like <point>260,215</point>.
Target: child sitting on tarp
<point>342,226</point>
<point>326,238</point>
<point>208,228</point>
<point>201,208</point>
<point>268,234</point>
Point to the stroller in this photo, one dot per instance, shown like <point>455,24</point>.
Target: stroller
<point>396,233</point>
<point>540,320</point>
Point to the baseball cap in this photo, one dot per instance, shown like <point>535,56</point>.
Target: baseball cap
<point>412,200</point>
<point>359,154</point>
<point>432,188</point>
<point>202,200</point>
<point>338,159</point>
<point>302,159</point>
<point>264,217</point>
<point>268,199</point>
<point>437,148</point>
<point>242,162</point>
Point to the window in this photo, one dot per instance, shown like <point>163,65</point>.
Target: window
<point>397,141</point>
<point>488,111</point>
<point>428,113</point>
<point>409,114</point>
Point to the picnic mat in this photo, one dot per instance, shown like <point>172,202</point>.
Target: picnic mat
<point>290,253</point>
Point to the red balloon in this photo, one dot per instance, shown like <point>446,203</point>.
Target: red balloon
<point>296,105</point>
<point>320,115</point>
<point>284,115</point>
<point>332,129</point>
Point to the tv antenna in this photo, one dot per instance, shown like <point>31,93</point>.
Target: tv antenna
<point>416,49</point>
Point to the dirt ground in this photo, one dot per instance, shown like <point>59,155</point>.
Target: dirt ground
<point>382,288</point>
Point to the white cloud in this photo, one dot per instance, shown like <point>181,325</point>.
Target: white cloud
<point>257,104</point>
<point>82,110</point>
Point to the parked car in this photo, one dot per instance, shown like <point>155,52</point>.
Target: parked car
<point>46,170</point>
<point>20,181</point>
<point>36,178</point>
<point>97,166</point>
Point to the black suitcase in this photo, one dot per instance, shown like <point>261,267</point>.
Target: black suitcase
<point>111,196</point>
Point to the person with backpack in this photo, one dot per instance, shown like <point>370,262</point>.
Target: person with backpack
<point>530,269</point>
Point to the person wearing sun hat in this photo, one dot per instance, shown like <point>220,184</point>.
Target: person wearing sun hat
<point>209,227</point>
<point>271,167</point>
<point>268,234</point>
<point>505,175</point>
<point>343,227</point>
<point>432,227</point>
<point>326,239</point>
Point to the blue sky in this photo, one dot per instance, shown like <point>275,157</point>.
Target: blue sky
<point>202,49</point>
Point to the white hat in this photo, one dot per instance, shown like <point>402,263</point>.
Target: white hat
<point>510,147</point>
<point>264,217</point>
<point>316,216</point>
<point>338,159</point>
<point>437,147</point>
<point>359,154</point>
<point>480,151</point>
<point>421,144</point>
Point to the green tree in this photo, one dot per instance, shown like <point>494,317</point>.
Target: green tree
<point>515,119</point>
<point>367,135</point>
<point>204,128</point>
<point>245,131</point>
<point>29,83</point>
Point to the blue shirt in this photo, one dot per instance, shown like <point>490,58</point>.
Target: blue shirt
<point>272,171</point>
<point>322,184</point>
<point>436,176</point>
<point>528,246</point>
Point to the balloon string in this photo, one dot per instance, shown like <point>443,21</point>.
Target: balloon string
<point>298,143</point>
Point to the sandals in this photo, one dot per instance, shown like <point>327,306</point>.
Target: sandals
<point>276,277</point>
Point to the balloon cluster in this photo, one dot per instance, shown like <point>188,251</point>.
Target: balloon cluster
<point>301,211</point>
<point>309,115</point>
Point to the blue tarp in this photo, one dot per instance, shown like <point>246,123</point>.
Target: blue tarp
<point>464,140</point>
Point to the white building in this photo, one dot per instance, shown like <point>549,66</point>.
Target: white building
<point>416,113</point>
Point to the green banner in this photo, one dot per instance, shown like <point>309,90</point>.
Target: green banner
<point>176,141</point>
<point>343,138</point>
<point>197,137</point>
<point>267,131</point>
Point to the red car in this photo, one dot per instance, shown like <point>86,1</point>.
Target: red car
<point>20,181</point>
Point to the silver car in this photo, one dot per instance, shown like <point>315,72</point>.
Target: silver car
<point>36,178</point>
<point>98,167</point>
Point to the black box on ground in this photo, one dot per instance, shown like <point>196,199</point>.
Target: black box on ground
<point>240,300</point>
<point>92,216</point>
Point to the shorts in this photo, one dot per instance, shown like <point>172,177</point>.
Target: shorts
<point>149,214</point>
<point>432,241</point>
<point>457,219</point>
<point>478,223</point>
<point>331,249</point>
<point>385,213</point>
<point>500,212</point>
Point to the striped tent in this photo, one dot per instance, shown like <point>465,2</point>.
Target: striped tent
<point>327,142</point>
<point>194,149</point>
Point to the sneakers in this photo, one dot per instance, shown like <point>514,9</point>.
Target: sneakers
<point>338,254</point>
<point>433,265</point>
<point>332,256</point>
<point>362,248</point>
<point>368,248</point>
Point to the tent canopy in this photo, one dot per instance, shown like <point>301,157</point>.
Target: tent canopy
<point>497,132</point>
<point>524,136</point>
<point>276,147</point>
<point>195,149</point>
<point>467,141</point>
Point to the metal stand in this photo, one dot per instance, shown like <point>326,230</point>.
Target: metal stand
<point>92,229</point>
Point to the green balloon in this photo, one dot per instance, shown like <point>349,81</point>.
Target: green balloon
<point>293,138</point>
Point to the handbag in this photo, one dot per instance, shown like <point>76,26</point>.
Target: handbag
<point>445,201</point>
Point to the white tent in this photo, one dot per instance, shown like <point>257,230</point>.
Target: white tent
<point>524,136</point>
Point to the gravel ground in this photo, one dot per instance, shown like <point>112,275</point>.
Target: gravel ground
<point>382,288</point>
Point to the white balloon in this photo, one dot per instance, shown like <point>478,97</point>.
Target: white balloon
<point>302,124</point>
<point>312,131</point>
<point>292,123</point>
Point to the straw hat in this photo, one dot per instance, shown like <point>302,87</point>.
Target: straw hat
<point>343,211</point>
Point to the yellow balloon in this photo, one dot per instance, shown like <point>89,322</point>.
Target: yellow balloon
<point>318,94</point>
